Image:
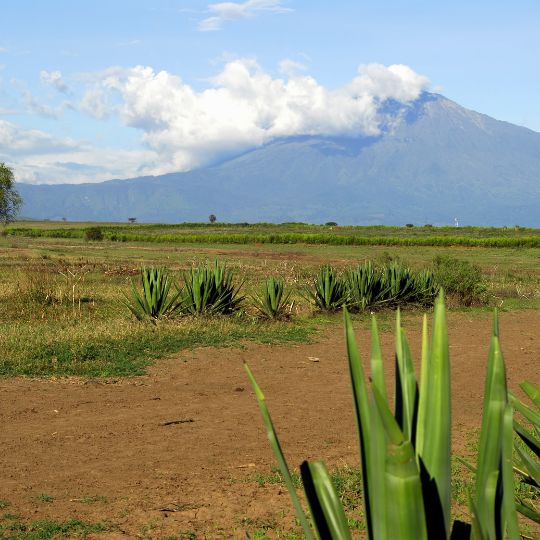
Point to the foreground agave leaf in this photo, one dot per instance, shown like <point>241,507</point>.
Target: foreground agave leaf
<point>436,431</point>
<point>326,509</point>
<point>406,458</point>
<point>276,448</point>
<point>526,462</point>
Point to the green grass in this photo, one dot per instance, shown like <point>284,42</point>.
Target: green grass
<point>126,349</point>
<point>78,228</point>
<point>45,529</point>
<point>346,479</point>
<point>61,309</point>
<point>350,236</point>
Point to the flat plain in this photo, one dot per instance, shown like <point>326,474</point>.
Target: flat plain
<point>116,428</point>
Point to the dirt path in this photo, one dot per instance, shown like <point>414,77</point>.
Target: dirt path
<point>73,440</point>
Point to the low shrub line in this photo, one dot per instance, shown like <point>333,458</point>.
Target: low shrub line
<point>287,238</point>
<point>212,289</point>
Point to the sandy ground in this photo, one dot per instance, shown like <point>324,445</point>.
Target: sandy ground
<point>178,450</point>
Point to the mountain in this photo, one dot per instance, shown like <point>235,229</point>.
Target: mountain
<point>434,161</point>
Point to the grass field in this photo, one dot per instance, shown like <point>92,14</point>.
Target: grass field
<point>289,233</point>
<point>62,298</point>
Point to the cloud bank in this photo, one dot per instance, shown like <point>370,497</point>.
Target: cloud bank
<point>244,107</point>
<point>182,128</point>
<point>38,157</point>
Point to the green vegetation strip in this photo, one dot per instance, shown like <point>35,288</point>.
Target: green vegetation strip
<point>45,529</point>
<point>61,350</point>
<point>290,238</point>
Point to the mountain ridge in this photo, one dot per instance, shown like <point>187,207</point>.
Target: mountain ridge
<point>433,161</point>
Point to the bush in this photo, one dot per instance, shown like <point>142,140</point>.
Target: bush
<point>210,290</point>
<point>329,291</point>
<point>460,279</point>
<point>93,234</point>
<point>154,302</point>
<point>393,285</point>
<point>365,287</point>
<point>272,302</point>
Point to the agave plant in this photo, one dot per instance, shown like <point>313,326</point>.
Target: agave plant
<point>527,455</point>
<point>330,291</point>
<point>210,290</point>
<point>398,283</point>
<point>406,454</point>
<point>272,302</point>
<point>154,302</point>
<point>426,287</point>
<point>365,287</point>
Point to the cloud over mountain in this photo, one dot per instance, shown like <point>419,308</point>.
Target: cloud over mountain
<point>180,127</point>
<point>243,107</point>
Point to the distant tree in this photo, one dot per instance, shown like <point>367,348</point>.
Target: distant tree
<point>94,234</point>
<point>212,218</point>
<point>132,219</point>
<point>331,224</point>
<point>409,225</point>
<point>64,219</point>
<point>10,200</point>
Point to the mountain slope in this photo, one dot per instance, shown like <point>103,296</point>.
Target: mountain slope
<point>434,161</point>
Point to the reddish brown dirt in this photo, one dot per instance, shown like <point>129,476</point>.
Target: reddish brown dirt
<point>74,439</point>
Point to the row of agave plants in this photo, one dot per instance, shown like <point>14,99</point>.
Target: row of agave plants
<point>211,289</point>
<point>406,454</point>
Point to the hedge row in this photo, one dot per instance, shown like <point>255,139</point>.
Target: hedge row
<point>290,238</point>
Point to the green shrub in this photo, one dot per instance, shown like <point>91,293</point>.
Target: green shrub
<point>329,291</point>
<point>392,285</point>
<point>365,287</point>
<point>210,290</point>
<point>272,302</point>
<point>93,234</point>
<point>399,284</point>
<point>154,302</point>
<point>406,456</point>
<point>426,287</point>
<point>459,279</point>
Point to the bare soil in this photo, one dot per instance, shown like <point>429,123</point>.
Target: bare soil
<point>178,450</point>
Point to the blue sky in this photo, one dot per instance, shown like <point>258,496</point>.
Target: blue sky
<point>112,89</point>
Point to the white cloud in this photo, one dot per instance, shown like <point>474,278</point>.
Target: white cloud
<point>290,68</point>
<point>96,103</point>
<point>30,141</point>
<point>244,107</point>
<point>38,157</point>
<point>54,79</point>
<point>230,11</point>
<point>183,128</point>
<point>41,109</point>
<point>3,50</point>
